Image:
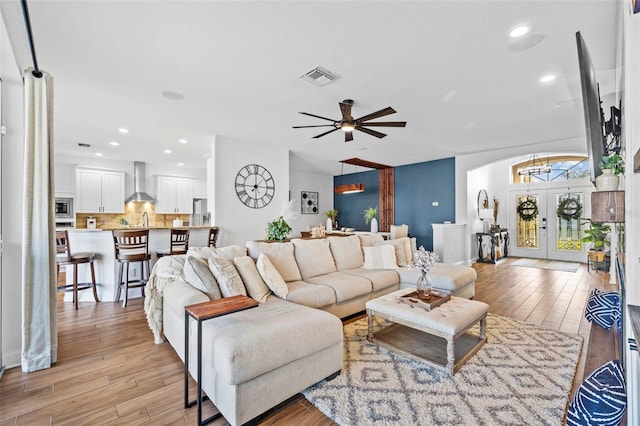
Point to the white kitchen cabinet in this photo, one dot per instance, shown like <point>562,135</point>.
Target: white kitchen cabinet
<point>65,179</point>
<point>174,195</point>
<point>199,188</point>
<point>99,191</point>
<point>448,241</point>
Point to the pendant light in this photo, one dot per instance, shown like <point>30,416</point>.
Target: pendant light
<point>349,188</point>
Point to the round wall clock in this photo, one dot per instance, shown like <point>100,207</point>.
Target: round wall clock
<point>255,186</point>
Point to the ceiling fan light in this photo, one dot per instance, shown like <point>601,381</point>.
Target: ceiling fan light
<point>347,127</point>
<point>350,188</point>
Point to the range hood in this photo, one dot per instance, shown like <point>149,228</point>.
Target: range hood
<point>139,176</point>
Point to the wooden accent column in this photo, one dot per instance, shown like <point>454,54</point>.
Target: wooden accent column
<point>387,198</point>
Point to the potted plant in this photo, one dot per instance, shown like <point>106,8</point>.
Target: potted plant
<point>612,166</point>
<point>370,217</point>
<point>332,215</point>
<point>596,234</point>
<point>278,230</point>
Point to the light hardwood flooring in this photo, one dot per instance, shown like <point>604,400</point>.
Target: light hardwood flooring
<point>109,371</point>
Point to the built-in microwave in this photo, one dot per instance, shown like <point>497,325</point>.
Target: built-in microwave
<point>64,208</point>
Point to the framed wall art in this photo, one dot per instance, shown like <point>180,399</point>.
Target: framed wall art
<point>308,202</point>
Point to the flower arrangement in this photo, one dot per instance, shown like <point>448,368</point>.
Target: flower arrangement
<point>424,259</point>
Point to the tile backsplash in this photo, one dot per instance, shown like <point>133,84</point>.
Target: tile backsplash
<point>133,216</point>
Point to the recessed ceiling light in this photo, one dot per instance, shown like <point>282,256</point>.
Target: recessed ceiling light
<point>520,30</point>
<point>174,96</point>
<point>547,78</point>
<point>181,164</point>
<point>182,140</point>
<point>114,143</point>
<point>98,154</point>
<point>167,151</point>
<point>123,130</point>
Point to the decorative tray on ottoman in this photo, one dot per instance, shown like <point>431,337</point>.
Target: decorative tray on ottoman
<point>427,303</point>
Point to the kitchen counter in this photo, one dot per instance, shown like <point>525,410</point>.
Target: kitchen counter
<point>105,265</point>
<point>151,227</point>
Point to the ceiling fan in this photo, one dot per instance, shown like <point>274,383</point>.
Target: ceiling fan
<point>347,123</point>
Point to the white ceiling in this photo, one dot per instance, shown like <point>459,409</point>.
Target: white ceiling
<point>444,66</point>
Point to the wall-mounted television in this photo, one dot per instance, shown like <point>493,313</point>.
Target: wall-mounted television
<point>593,116</point>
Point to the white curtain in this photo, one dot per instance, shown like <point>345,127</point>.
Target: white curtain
<point>39,281</point>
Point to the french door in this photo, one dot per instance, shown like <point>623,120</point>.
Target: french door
<point>546,223</point>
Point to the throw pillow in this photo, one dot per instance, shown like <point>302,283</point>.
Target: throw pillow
<point>601,399</point>
<point>271,276</point>
<point>227,276</point>
<point>604,309</point>
<point>200,277</point>
<point>253,282</point>
<point>399,247</point>
<point>414,247</point>
<point>380,257</point>
<point>200,252</point>
<point>368,240</point>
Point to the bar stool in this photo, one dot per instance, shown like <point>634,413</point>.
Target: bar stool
<point>179,243</point>
<point>213,236</point>
<point>131,247</point>
<point>64,257</point>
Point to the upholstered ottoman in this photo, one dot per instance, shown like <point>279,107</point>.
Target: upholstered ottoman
<point>438,337</point>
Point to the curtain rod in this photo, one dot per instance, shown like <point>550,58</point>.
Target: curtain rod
<point>27,21</point>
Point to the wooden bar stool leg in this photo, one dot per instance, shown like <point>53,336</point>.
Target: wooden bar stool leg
<point>119,284</point>
<point>75,285</point>
<point>93,281</point>
<point>126,287</point>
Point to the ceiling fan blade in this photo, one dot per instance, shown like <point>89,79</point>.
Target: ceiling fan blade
<point>348,136</point>
<point>317,125</point>
<point>371,132</point>
<point>317,116</point>
<point>325,133</point>
<point>381,113</point>
<point>345,108</point>
<point>386,124</point>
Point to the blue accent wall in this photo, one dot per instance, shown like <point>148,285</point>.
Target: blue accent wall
<point>417,186</point>
<point>350,206</point>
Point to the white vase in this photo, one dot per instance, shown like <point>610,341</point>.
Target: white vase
<point>329,226</point>
<point>607,181</point>
<point>374,225</point>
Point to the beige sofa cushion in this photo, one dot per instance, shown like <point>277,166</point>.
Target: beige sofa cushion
<point>230,252</point>
<point>380,278</point>
<point>380,257</point>
<point>281,256</point>
<point>271,276</point>
<point>444,276</point>
<point>346,252</point>
<point>311,295</point>
<point>200,277</point>
<point>227,276</point>
<point>345,286</point>
<point>253,282</point>
<point>313,257</point>
<point>271,345</point>
<point>368,240</point>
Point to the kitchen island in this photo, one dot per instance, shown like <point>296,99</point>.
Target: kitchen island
<point>100,242</point>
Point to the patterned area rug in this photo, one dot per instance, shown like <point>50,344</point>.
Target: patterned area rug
<point>521,376</point>
<point>556,265</point>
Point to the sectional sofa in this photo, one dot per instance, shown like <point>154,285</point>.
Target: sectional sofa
<point>255,359</point>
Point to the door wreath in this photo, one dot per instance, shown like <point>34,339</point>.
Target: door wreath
<point>527,209</point>
<point>569,209</point>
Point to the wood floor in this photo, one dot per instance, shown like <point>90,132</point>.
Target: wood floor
<point>110,372</point>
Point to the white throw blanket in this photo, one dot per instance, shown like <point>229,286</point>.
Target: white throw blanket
<point>166,270</point>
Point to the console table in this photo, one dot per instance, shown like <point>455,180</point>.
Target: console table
<point>499,246</point>
<point>201,312</point>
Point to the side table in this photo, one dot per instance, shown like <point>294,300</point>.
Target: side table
<point>498,240</point>
<point>202,312</point>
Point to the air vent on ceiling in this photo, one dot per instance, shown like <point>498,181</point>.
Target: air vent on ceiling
<point>84,145</point>
<point>320,76</point>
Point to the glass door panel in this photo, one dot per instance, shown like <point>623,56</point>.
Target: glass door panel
<point>528,229</point>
